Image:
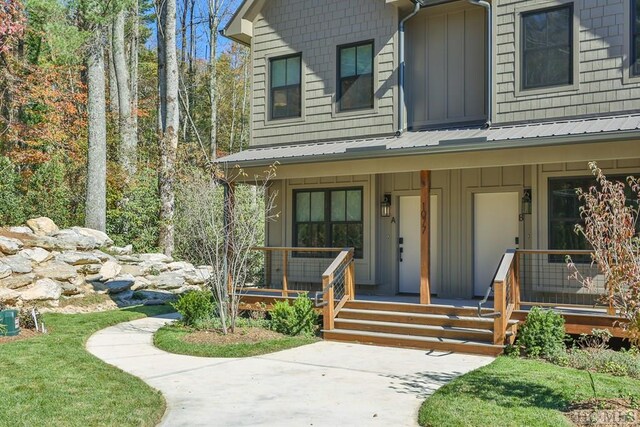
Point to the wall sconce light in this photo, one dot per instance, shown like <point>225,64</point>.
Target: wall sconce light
<point>526,202</point>
<point>385,206</point>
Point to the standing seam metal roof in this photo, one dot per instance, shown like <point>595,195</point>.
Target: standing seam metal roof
<point>598,126</point>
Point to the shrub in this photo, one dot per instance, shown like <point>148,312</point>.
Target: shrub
<point>298,318</point>
<point>196,308</point>
<point>542,334</point>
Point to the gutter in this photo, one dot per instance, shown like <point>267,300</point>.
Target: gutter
<point>487,6</point>
<point>401,101</point>
<point>457,146</point>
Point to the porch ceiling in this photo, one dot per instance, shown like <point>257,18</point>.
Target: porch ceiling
<point>457,139</point>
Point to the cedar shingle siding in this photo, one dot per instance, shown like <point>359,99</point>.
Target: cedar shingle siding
<point>316,29</point>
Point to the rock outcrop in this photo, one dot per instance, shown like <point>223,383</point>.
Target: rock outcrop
<point>44,265</point>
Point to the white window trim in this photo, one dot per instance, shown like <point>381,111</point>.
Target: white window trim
<point>575,85</point>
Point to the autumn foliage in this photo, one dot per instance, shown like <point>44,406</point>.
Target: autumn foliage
<point>610,220</point>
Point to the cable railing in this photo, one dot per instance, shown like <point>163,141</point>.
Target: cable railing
<point>542,277</point>
<point>338,287</point>
<point>290,270</point>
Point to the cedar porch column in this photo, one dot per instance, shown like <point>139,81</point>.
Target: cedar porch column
<point>425,238</point>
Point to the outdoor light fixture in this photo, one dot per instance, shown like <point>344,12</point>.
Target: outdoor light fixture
<point>385,206</point>
<point>526,202</point>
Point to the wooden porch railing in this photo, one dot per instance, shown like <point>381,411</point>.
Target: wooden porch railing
<point>338,287</point>
<point>537,277</point>
<point>506,295</point>
<point>271,263</point>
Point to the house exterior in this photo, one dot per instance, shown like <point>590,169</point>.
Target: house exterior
<point>432,136</point>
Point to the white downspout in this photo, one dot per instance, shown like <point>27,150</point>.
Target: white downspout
<point>401,101</point>
<point>487,6</point>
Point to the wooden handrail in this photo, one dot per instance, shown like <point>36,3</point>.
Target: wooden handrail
<point>330,308</point>
<point>295,249</point>
<point>555,251</point>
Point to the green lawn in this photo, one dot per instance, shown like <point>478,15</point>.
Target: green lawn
<point>517,392</point>
<point>52,380</point>
<point>171,338</point>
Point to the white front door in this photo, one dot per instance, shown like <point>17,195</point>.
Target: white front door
<point>409,256</point>
<point>495,229</point>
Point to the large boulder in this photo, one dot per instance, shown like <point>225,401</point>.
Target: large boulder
<point>56,270</point>
<point>118,250</point>
<point>153,268</point>
<point>75,287</point>
<point>155,258</point>
<point>20,229</point>
<point>10,246</point>
<point>42,290</point>
<point>42,226</point>
<point>101,238</point>
<point>5,271</point>
<point>109,270</point>
<point>119,284</point>
<point>17,281</point>
<point>132,269</point>
<point>88,268</point>
<point>167,281</point>
<point>78,258</point>
<point>140,283</point>
<point>9,297</point>
<point>199,276</point>
<point>103,257</point>
<point>47,242</point>
<point>17,263</point>
<point>75,240</point>
<point>36,255</point>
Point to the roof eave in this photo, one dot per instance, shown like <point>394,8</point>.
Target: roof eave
<point>458,147</point>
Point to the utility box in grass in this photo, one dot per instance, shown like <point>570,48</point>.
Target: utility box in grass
<point>9,319</point>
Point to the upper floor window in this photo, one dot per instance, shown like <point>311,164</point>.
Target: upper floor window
<point>547,47</point>
<point>635,37</point>
<point>286,97</point>
<point>355,76</point>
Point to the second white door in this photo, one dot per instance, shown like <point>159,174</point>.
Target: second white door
<point>495,229</point>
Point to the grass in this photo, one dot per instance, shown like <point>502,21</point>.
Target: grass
<point>171,338</point>
<point>85,301</point>
<point>518,392</point>
<point>53,380</point>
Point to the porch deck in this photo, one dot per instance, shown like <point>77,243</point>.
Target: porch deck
<point>523,279</point>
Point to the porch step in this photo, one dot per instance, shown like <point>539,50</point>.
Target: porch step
<point>450,320</point>
<point>415,330</point>
<point>418,342</point>
<point>415,308</point>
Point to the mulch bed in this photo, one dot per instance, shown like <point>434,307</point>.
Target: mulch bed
<point>604,413</point>
<point>241,336</point>
<point>24,334</point>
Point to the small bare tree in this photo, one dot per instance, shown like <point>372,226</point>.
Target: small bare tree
<point>218,223</point>
<point>610,228</point>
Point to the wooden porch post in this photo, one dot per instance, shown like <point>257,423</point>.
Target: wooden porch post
<point>425,241</point>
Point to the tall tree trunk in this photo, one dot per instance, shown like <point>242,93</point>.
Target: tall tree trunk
<point>169,137</point>
<point>133,65</point>
<point>96,203</point>
<point>214,21</point>
<point>128,144</point>
<point>161,12</point>
<point>113,82</point>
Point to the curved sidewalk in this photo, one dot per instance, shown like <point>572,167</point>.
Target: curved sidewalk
<point>322,384</point>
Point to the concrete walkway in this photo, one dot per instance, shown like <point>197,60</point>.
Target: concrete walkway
<point>322,384</point>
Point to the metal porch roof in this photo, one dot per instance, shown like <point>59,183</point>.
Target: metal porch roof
<point>444,140</point>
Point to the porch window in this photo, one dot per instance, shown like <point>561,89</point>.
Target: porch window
<point>564,213</point>
<point>285,86</point>
<point>329,218</point>
<point>635,37</point>
<point>355,76</point>
<point>547,47</point>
